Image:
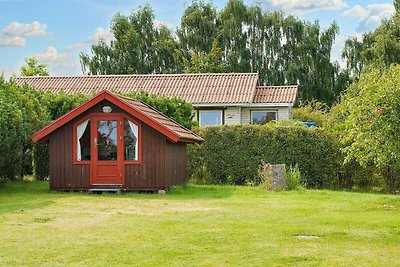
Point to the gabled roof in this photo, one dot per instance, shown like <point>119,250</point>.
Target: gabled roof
<point>276,94</point>
<point>171,129</point>
<point>199,88</point>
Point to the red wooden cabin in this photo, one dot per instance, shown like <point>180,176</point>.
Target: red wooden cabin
<point>112,142</point>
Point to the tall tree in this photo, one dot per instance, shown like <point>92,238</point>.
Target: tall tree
<point>198,28</point>
<point>367,122</point>
<point>234,36</point>
<point>139,46</point>
<point>206,62</point>
<point>379,48</point>
<point>33,68</point>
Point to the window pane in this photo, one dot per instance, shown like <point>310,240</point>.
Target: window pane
<point>263,117</point>
<point>210,117</point>
<point>130,140</point>
<point>107,140</point>
<point>83,134</point>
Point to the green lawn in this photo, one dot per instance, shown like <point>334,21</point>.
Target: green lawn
<point>197,226</point>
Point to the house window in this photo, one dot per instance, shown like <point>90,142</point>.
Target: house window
<point>263,116</point>
<point>131,136</point>
<point>210,117</point>
<point>83,141</point>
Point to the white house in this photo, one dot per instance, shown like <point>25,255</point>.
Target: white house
<point>218,98</point>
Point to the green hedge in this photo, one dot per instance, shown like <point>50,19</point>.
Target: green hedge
<point>233,154</point>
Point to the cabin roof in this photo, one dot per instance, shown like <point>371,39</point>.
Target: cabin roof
<point>150,116</point>
<point>276,94</point>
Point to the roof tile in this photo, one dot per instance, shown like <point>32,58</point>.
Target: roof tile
<point>276,94</point>
<point>197,88</point>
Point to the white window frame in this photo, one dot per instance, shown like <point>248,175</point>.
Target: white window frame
<point>209,111</point>
<point>262,110</point>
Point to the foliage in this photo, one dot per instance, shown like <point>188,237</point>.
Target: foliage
<point>293,178</point>
<point>139,46</point>
<point>367,121</point>
<point>313,111</point>
<point>21,114</point>
<point>57,104</point>
<point>379,48</point>
<point>199,27</point>
<point>291,122</point>
<point>232,154</point>
<point>40,161</point>
<point>205,63</point>
<point>239,38</point>
<point>264,176</point>
<point>33,68</point>
<point>175,108</point>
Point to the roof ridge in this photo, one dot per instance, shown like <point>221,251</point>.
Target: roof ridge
<point>274,86</point>
<point>141,75</point>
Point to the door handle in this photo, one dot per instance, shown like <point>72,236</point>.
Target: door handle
<point>95,142</point>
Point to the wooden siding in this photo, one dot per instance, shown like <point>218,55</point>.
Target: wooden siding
<point>64,175</point>
<point>150,174</point>
<point>176,164</point>
<point>163,163</point>
<point>232,115</point>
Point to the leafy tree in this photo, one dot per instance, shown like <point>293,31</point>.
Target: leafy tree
<point>139,47</point>
<point>57,104</point>
<point>234,36</point>
<point>33,68</point>
<point>198,29</point>
<point>367,121</point>
<point>21,114</point>
<point>206,63</point>
<point>379,48</point>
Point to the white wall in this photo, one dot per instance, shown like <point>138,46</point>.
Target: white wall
<point>233,116</point>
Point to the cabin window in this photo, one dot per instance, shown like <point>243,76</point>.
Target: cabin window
<point>131,136</point>
<point>263,116</point>
<point>210,117</point>
<point>83,144</point>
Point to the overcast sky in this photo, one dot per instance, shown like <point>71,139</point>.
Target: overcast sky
<point>57,31</point>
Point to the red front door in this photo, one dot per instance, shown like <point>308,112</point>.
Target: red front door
<point>107,150</point>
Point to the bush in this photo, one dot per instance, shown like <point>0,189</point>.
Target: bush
<point>20,114</point>
<point>315,111</point>
<point>233,154</point>
<point>293,177</point>
<point>40,161</point>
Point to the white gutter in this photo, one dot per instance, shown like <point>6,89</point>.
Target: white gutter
<point>244,105</point>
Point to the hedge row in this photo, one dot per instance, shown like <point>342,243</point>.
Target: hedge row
<point>233,154</point>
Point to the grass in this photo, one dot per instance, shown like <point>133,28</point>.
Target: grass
<point>197,226</point>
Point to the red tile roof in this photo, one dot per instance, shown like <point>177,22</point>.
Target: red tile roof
<point>198,88</point>
<point>276,94</point>
<point>174,131</point>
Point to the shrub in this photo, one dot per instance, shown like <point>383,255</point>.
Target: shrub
<point>293,177</point>
<point>21,114</point>
<point>315,111</point>
<point>233,154</point>
<point>264,176</point>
